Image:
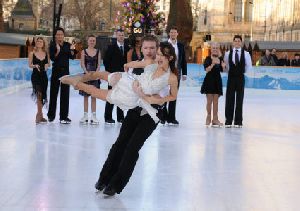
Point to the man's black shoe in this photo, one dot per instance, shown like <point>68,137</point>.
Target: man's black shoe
<point>99,186</point>
<point>173,122</point>
<point>65,121</point>
<point>120,121</point>
<point>110,121</point>
<point>109,190</point>
<point>50,119</point>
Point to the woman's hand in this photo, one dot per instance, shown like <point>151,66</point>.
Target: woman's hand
<point>126,68</point>
<point>46,67</point>
<point>138,89</point>
<point>215,60</point>
<point>37,67</point>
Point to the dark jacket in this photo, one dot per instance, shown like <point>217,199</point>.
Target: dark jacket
<point>62,59</point>
<point>182,66</point>
<point>113,59</point>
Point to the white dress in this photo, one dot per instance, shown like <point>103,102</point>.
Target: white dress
<point>125,98</point>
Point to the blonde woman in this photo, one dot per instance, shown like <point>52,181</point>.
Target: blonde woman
<point>212,84</point>
<point>39,61</point>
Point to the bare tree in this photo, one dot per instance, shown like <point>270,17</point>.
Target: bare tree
<point>180,15</point>
<point>87,12</point>
<point>1,16</point>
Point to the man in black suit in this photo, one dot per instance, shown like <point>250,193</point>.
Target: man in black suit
<point>114,60</point>
<point>136,128</point>
<point>170,110</point>
<point>60,53</point>
<point>238,61</point>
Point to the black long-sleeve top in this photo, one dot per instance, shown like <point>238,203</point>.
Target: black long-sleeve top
<point>62,59</point>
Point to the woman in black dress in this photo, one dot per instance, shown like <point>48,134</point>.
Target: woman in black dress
<point>90,61</point>
<point>212,84</point>
<point>39,61</point>
<point>135,53</point>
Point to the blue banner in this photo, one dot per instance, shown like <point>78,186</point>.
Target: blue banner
<point>15,72</point>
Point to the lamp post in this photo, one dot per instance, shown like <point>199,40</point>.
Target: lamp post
<point>293,20</point>
<point>56,17</point>
<point>251,23</point>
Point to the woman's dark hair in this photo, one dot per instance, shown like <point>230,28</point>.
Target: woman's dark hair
<point>133,40</point>
<point>59,29</point>
<point>168,51</point>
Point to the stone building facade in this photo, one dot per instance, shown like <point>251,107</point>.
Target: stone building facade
<point>275,20</point>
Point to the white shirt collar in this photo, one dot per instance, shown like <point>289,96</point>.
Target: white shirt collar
<point>171,41</point>
<point>119,44</point>
<point>239,49</point>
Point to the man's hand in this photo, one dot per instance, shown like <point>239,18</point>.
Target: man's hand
<point>183,77</point>
<point>57,48</point>
<point>154,99</point>
<point>73,45</point>
<point>223,65</point>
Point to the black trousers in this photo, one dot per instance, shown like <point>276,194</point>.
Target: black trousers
<point>64,94</point>
<point>169,110</point>
<point>124,153</point>
<point>234,99</point>
<point>108,111</point>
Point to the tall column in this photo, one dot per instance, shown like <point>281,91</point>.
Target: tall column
<point>243,10</point>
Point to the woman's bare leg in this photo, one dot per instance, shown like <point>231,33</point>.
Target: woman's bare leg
<point>209,99</point>
<point>92,90</point>
<point>215,120</point>
<point>95,76</point>
<point>74,79</point>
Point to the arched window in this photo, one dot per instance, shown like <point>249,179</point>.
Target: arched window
<point>238,9</point>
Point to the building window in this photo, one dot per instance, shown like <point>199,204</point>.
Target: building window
<point>102,26</point>
<point>21,26</point>
<point>297,36</point>
<point>238,4</point>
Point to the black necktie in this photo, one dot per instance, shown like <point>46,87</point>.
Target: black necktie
<point>121,49</point>
<point>236,57</point>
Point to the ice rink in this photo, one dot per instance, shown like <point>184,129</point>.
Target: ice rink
<point>184,168</point>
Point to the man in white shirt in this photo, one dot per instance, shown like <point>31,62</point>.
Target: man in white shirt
<point>238,61</point>
<point>181,65</point>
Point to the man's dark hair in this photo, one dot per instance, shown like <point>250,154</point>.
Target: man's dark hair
<point>237,37</point>
<point>151,38</point>
<point>119,30</point>
<point>59,29</point>
<point>173,28</point>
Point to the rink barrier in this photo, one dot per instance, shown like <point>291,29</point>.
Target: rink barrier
<point>15,74</point>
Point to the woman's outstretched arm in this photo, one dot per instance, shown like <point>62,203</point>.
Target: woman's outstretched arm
<point>139,64</point>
